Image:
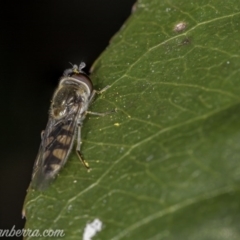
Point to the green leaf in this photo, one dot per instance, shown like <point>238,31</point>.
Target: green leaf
<point>166,165</point>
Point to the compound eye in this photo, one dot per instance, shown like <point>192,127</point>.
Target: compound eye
<point>85,80</point>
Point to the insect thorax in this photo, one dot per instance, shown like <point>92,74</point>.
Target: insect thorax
<point>67,99</point>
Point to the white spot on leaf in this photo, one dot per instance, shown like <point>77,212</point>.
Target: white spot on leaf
<point>179,27</point>
<point>91,229</point>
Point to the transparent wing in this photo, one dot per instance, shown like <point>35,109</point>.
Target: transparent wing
<point>57,142</point>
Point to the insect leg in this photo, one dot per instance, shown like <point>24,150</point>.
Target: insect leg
<point>103,90</point>
<point>79,147</point>
<point>101,114</point>
<point>94,92</point>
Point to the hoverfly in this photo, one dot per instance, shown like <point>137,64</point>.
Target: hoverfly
<point>67,111</point>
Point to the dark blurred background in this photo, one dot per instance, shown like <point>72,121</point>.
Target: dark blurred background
<point>38,39</point>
